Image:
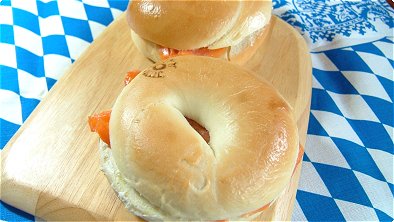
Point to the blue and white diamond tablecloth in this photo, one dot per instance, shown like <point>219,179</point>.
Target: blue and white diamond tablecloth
<point>347,171</point>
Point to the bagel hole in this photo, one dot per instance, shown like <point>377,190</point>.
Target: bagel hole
<point>200,129</point>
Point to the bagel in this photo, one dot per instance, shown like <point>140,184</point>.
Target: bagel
<point>232,30</point>
<point>163,169</point>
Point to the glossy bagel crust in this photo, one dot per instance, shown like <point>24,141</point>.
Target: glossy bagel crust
<point>248,161</point>
<point>194,24</point>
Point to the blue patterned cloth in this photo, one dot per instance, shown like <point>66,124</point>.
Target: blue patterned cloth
<point>347,171</point>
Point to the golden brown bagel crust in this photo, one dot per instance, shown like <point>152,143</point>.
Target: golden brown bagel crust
<point>132,200</point>
<point>195,24</point>
<point>249,159</point>
<point>254,16</point>
<point>181,24</point>
<point>241,53</point>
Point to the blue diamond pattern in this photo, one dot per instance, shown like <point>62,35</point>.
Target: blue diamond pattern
<point>379,139</point>
<point>358,158</point>
<point>321,100</point>
<point>118,4</point>
<point>5,3</point>
<point>55,44</point>
<point>314,127</point>
<point>388,85</point>
<point>78,28</point>
<point>46,9</point>
<point>9,79</point>
<point>30,62</point>
<point>98,14</point>
<point>383,216</point>
<point>8,129</point>
<point>28,106</point>
<point>368,48</point>
<point>318,208</point>
<point>7,34</point>
<point>342,184</point>
<point>26,20</point>
<point>306,158</point>
<point>382,109</point>
<point>50,82</point>
<point>348,61</point>
<point>329,80</point>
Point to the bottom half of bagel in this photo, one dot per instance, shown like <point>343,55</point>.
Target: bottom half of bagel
<point>163,168</point>
<point>135,202</point>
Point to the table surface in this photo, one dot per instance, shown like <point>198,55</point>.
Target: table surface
<point>347,170</point>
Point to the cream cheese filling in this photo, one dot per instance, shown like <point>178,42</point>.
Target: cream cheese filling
<point>133,200</point>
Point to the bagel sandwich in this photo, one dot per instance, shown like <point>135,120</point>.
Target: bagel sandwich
<point>232,30</point>
<point>197,138</point>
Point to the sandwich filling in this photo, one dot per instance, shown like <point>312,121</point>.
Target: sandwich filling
<point>166,53</point>
<point>134,201</point>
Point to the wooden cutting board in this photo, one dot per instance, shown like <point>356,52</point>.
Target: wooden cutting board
<point>50,168</point>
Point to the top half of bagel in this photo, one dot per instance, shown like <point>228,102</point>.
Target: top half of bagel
<point>253,143</point>
<point>191,24</point>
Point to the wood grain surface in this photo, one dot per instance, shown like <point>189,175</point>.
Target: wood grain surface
<point>50,168</point>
